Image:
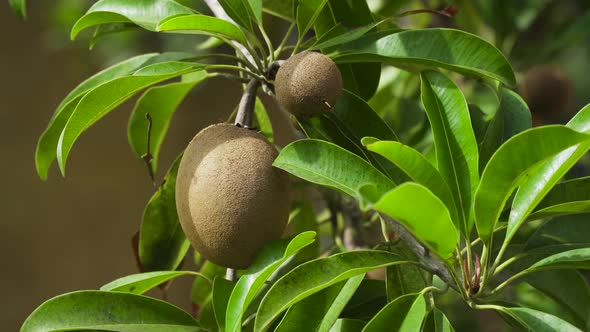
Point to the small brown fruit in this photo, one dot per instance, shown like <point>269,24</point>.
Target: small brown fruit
<point>548,91</point>
<point>308,84</point>
<point>230,200</point>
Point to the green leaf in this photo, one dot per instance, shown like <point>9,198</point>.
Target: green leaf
<point>405,314</point>
<point>19,7</point>
<point>538,321</point>
<point>432,225</point>
<point>348,325</point>
<point>454,141</point>
<point>436,321</point>
<point>101,100</point>
<point>160,103</point>
<point>417,167</point>
<point>541,180</point>
<point>350,121</point>
<point>162,243</point>
<point>237,10</point>
<point>320,311</point>
<point>47,146</point>
<point>202,24</point>
<point>327,164</point>
<point>255,7</point>
<point>313,276</point>
<point>447,48</point>
<point>267,261</point>
<point>98,310</point>
<point>345,37</point>
<point>202,287</point>
<point>103,30</point>
<point>307,12</point>
<point>222,290</point>
<point>512,117</point>
<point>142,282</point>
<point>568,197</point>
<point>571,259</point>
<point>284,9</point>
<point>145,13</point>
<point>509,166</point>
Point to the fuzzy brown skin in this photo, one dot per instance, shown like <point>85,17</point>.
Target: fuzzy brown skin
<point>230,199</point>
<point>306,82</point>
<point>548,91</point>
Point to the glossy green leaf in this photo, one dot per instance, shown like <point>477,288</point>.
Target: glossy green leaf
<point>320,311</point>
<point>222,290</point>
<point>238,11</point>
<point>202,24</point>
<point>541,180</point>
<point>454,141</point>
<point>255,7</point>
<point>572,230</point>
<point>329,165</point>
<point>111,311</point>
<point>160,103</point>
<point>19,7</point>
<point>509,166</point>
<point>284,9</point>
<point>142,282</point>
<point>512,117</point>
<point>447,48</point>
<point>162,243</point>
<point>103,30</point>
<point>417,167</point>
<point>101,100</point>
<point>307,12</point>
<point>203,287</point>
<point>145,13</point>
<point>432,226</point>
<point>405,314</point>
<point>313,276</point>
<point>572,259</point>
<point>436,321</point>
<point>267,261</point>
<point>568,197</point>
<point>47,146</point>
<point>538,321</point>
<point>348,325</point>
<point>350,121</point>
<point>345,37</point>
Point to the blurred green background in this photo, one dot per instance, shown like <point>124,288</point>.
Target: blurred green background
<point>74,233</point>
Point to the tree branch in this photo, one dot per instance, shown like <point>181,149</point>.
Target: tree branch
<point>431,264</point>
<point>246,107</point>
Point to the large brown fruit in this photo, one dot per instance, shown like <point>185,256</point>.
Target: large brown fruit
<point>308,84</point>
<point>230,199</point>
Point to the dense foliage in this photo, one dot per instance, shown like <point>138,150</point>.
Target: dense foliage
<point>431,173</point>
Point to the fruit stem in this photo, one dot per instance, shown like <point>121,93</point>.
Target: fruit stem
<point>231,275</point>
<point>246,107</point>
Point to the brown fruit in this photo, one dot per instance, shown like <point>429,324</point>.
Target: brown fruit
<point>230,199</point>
<point>308,84</point>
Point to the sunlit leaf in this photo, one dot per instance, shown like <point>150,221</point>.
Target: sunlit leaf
<point>108,311</point>
<point>19,7</point>
<point>509,166</point>
<point>202,24</point>
<point>329,165</point>
<point>432,226</point>
<point>267,261</point>
<point>454,141</point>
<point>145,13</point>
<point>540,181</point>
<point>447,48</point>
<point>313,276</point>
<point>307,12</point>
<point>143,282</point>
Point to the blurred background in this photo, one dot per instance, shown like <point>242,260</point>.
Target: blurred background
<point>74,233</point>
